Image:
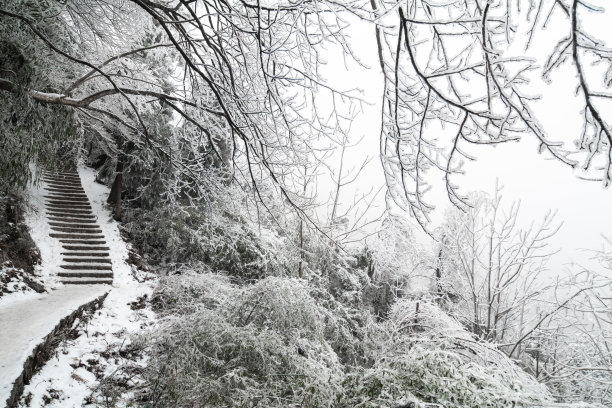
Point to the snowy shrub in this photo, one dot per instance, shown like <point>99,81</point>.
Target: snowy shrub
<point>45,135</point>
<point>429,355</point>
<point>286,342</point>
<point>441,377</point>
<point>16,244</point>
<point>190,291</point>
<point>183,235</point>
<point>420,316</point>
<point>346,285</point>
<point>264,345</point>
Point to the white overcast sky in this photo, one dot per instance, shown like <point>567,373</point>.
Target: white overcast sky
<point>540,184</point>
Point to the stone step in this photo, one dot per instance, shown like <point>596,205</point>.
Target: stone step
<point>62,179</point>
<point>62,188</point>
<point>71,212</point>
<point>62,175</point>
<point>86,281</point>
<point>70,204</point>
<point>92,260</point>
<point>86,215</point>
<point>74,225</point>
<point>58,190</point>
<point>77,188</point>
<point>72,180</point>
<point>55,195</point>
<point>71,199</point>
<point>63,211</point>
<point>84,205</point>
<point>77,230</point>
<point>69,220</point>
<point>74,219</point>
<point>68,207</point>
<point>61,204</point>
<point>86,253</point>
<point>63,184</point>
<point>84,274</point>
<point>62,171</point>
<point>85,248</point>
<point>67,197</point>
<point>62,201</point>
<point>92,267</point>
<point>65,189</point>
<point>83,241</point>
<point>76,236</point>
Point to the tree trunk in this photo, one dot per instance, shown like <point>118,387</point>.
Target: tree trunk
<point>115,194</point>
<point>301,267</point>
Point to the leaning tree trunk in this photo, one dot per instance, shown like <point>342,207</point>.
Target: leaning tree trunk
<point>115,194</point>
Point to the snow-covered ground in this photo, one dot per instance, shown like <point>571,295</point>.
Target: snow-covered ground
<point>25,321</point>
<point>27,317</point>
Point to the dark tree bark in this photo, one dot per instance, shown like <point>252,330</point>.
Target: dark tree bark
<point>115,194</point>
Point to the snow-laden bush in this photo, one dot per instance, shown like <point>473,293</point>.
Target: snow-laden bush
<point>194,234</point>
<point>188,292</point>
<point>286,342</point>
<point>425,357</point>
<point>432,375</point>
<point>264,344</point>
<point>412,316</point>
<point>430,356</point>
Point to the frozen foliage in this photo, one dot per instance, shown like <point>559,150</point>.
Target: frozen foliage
<point>285,342</point>
<point>18,252</point>
<point>428,374</point>
<point>217,236</point>
<point>263,344</point>
<point>212,118</point>
<point>398,257</point>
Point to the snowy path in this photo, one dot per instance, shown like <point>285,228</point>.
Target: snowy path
<point>24,322</point>
<point>26,318</point>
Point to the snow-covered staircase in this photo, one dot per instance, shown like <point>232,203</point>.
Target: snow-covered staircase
<point>84,251</point>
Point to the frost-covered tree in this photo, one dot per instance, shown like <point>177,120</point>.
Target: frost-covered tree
<point>458,73</point>
<point>237,79</point>
<point>489,269</point>
<point>572,351</point>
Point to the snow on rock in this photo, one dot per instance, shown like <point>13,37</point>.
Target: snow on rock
<point>75,376</point>
<point>13,283</point>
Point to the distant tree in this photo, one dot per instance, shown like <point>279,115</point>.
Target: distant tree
<point>397,256</point>
<point>491,271</point>
<point>571,352</point>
